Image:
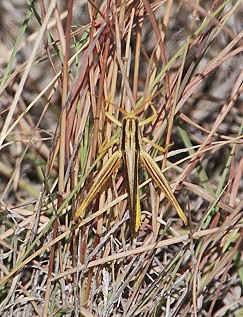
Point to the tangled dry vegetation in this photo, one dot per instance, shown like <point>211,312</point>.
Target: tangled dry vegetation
<point>61,67</point>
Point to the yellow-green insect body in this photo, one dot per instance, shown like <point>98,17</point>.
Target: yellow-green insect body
<point>131,152</point>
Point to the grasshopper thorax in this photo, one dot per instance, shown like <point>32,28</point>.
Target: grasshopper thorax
<point>131,135</point>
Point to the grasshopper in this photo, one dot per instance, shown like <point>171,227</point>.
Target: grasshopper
<point>131,152</point>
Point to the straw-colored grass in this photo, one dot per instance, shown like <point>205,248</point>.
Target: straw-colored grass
<point>61,67</point>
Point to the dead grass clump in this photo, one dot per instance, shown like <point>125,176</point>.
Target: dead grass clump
<point>62,67</point>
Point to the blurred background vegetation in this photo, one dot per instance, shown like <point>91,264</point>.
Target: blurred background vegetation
<point>64,62</point>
